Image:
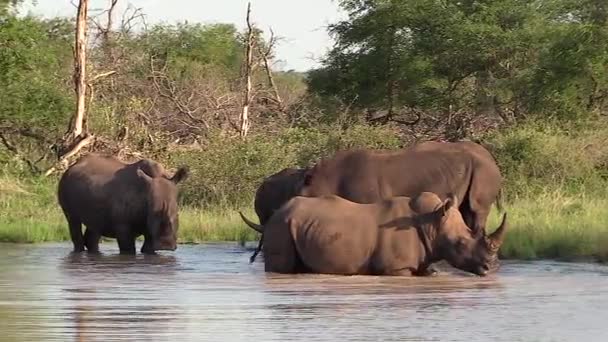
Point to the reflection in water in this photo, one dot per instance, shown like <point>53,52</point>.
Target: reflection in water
<point>211,293</point>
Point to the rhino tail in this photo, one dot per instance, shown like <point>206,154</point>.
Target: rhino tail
<point>257,227</point>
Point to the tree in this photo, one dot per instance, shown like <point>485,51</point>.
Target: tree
<point>7,5</point>
<point>487,57</point>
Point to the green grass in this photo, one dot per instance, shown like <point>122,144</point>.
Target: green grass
<point>555,226</point>
<point>29,213</point>
<point>552,225</point>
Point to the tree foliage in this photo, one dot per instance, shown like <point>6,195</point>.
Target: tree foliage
<point>509,57</point>
<point>35,65</point>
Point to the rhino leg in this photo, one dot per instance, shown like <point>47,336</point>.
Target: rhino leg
<point>126,240</point>
<point>280,254</point>
<point>481,219</point>
<point>475,216</point>
<point>429,271</point>
<point>147,247</point>
<point>258,249</point>
<point>91,240</point>
<point>76,234</point>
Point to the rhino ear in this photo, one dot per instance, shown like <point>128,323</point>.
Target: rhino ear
<point>451,201</point>
<point>180,175</point>
<point>308,175</point>
<point>141,174</point>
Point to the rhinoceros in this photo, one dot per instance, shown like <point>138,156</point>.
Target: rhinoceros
<point>396,236</point>
<point>465,169</point>
<point>119,200</point>
<point>274,191</point>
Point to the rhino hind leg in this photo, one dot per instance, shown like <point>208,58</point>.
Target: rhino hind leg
<point>91,240</point>
<point>76,234</point>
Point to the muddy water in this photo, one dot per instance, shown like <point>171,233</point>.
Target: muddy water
<point>211,293</point>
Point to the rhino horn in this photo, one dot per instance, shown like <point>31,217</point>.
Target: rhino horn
<point>496,239</point>
<point>258,228</point>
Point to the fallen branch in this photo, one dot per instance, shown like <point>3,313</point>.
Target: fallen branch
<point>70,153</point>
<point>102,75</point>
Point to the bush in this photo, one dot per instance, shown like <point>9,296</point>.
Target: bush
<point>538,158</point>
<point>228,170</point>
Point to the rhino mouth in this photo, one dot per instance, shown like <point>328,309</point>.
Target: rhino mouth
<point>481,270</point>
<point>166,245</point>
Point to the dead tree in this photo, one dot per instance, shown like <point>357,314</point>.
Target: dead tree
<point>80,74</point>
<point>77,136</point>
<point>244,119</point>
<point>265,53</point>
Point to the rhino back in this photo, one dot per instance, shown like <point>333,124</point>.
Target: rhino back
<point>366,176</point>
<point>333,235</point>
<point>102,191</point>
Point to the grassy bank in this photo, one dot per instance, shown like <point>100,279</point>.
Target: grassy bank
<point>556,187</point>
<point>551,225</point>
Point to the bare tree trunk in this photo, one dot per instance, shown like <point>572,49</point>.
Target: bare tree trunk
<point>80,79</point>
<point>244,120</point>
<point>77,137</point>
<point>390,73</point>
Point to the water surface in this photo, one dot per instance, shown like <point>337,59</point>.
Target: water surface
<point>211,293</point>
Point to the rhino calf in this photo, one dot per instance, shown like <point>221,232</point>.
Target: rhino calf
<point>121,201</point>
<point>397,236</point>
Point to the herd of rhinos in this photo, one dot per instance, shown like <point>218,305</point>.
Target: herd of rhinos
<point>360,211</point>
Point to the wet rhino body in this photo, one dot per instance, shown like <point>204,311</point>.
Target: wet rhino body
<point>398,236</point>
<point>122,201</point>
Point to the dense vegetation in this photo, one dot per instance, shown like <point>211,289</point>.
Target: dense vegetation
<point>527,79</point>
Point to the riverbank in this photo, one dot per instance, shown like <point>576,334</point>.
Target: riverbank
<point>555,189</point>
<point>551,225</point>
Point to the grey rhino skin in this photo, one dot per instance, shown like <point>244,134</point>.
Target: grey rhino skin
<point>397,236</point>
<point>465,169</point>
<point>274,191</point>
<point>122,201</point>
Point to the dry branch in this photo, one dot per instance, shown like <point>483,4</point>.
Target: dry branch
<point>80,60</point>
<point>71,152</point>
<point>244,119</point>
<point>265,57</point>
<point>77,137</point>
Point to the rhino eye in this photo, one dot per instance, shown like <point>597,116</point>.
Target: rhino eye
<point>460,244</point>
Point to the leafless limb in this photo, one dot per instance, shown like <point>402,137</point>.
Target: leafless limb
<point>168,90</point>
<point>102,75</point>
<point>265,57</point>
<point>244,118</point>
<point>76,128</point>
<point>130,16</point>
<point>71,152</point>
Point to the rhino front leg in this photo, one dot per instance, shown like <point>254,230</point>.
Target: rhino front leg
<point>148,246</point>
<point>428,271</point>
<point>126,240</point>
<point>91,240</point>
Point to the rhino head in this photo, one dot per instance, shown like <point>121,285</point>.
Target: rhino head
<point>162,221</point>
<point>455,242</point>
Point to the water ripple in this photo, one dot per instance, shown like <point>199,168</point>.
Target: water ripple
<point>211,293</point>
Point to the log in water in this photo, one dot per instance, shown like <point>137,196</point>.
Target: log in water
<point>211,293</point>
